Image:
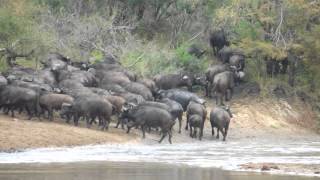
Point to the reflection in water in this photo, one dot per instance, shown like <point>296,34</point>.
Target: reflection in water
<point>126,171</point>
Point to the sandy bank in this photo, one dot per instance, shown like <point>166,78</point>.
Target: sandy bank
<point>253,119</point>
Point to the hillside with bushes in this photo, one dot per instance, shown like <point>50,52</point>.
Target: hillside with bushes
<point>154,36</point>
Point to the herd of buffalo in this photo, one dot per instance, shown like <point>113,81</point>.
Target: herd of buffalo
<point>90,92</point>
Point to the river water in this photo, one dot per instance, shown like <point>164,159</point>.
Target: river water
<point>158,160</point>
<point>128,171</point>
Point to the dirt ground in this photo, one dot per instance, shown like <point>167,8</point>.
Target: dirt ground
<point>253,119</point>
<point>18,133</point>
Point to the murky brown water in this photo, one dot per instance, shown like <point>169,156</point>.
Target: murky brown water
<point>127,171</point>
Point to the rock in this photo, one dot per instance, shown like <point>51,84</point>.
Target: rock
<point>268,167</point>
<point>317,172</point>
<point>275,167</point>
<point>265,168</point>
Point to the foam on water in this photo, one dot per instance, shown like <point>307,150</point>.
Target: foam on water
<point>202,154</point>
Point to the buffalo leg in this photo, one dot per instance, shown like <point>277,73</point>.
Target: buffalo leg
<point>225,134</point>
<point>218,129</point>
<point>143,131</point>
<point>201,131</point>
<point>123,121</point>
<point>11,109</point>
<point>212,128</point>
<point>118,123</point>
<point>170,136</point>
<point>6,110</point>
<point>107,120</point>
<point>51,114</point>
<point>207,90</point>
<point>48,117</point>
<point>128,129</point>
<point>89,122</point>
<point>164,134</point>
<point>180,122</point>
<point>76,119</point>
<point>187,122</point>
<point>221,100</point>
<point>29,113</point>
<point>227,95</point>
<point>218,99</point>
<point>103,123</point>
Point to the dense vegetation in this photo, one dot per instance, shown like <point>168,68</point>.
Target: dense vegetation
<point>152,36</point>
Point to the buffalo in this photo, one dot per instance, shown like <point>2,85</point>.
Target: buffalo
<point>171,81</point>
<point>224,83</point>
<point>226,53</point>
<point>51,102</point>
<point>195,122</point>
<point>211,73</point>
<point>274,67</point>
<point>149,83</point>
<point>237,62</point>
<point>147,117</point>
<point>180,96</point>
<point>15,97</point>
<point>220,119</point>
<point>195,51</point>
<point>176,109</point>
<point>140,89</point>
<point>89,107</point>
<point>218,40</point>
<point>195,108</point>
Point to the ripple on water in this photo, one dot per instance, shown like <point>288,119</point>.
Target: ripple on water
<point>213,154</point>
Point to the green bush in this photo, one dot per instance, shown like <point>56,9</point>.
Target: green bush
<point>189,62</point>
<point>149,59</point>
<point>97,56</point>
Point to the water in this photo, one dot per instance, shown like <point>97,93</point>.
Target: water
<point>127,171</point>
<point>199,155</point>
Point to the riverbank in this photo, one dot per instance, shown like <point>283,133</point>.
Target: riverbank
<point>253,120</point>
<point>273,134</point>
<point>18,134</point>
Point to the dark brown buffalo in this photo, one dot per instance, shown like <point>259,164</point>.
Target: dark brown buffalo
<point>220,118</point>
<point>170,81</point>
<point>199,109</point>
<point>147,117</point>
<point>51,102</point>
